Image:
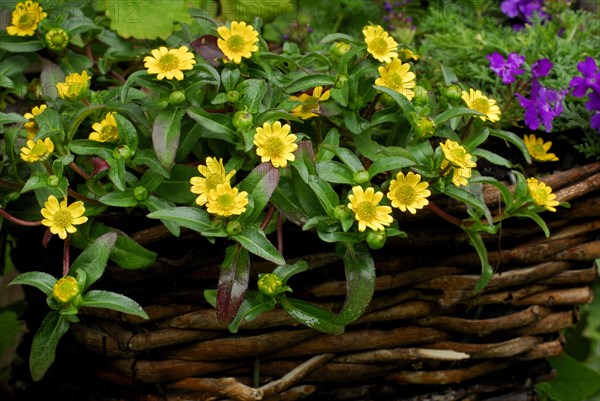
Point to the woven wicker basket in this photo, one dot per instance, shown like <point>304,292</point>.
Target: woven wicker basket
<point>425,332</point>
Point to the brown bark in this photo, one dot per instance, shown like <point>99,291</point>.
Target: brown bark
<point>447,376</point>
<point>567,296</point>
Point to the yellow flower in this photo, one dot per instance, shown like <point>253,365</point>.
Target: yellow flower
<point>310,107</point>
<point>25,19</point>
<point>37,151</point>
<point>379,43</point>
<point>367,212</point>
<point>226,201</point>
<point>168,63</point>
<point>74,87</point>
<point>542,194</point>
<point>475,100</point>
<point>405,54</point>
<point>275,143</point>
<point>397,76</point>
<point>66,289</point>
<point>106,130</point>
<point>237,42</point>
<point>213,174</point>
<point>460,175</point>
<point>62,218</point>
<point>31,127</point>
<point>538,149</point>
<point>408,192</point>
<point>457,154</point>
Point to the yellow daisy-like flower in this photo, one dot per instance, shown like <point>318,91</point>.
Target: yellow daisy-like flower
<point>62,218</point>
<point>25,19</point>
<point>66,289</point>
<point>380,44</point>
<point>37,151</point>
<point>364,203</point>
<point>538,149</point>
<point>460,175</point>
<point>238,41</point>
<point>226,201</point>
<point>475,100</point>
<point>213,174</point>
<point>457,154</point>
<point>169,63</point>
<point>397,76</point>
<point>74,87</point>
<point>408,192</point>
<point>274,143</point>
<point>310,104</point>
<point>405,54</point>
<point>542,194</point>
<point>31,127</point>
<point>106,130</point>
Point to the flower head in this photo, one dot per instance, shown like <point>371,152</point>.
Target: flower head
<point>506,69</point>
<point>408,192</point>
<point>589,80</point>
<point>271,284</point>
<point>460,175</point>
<point>274,143</point>
<point>364,204</point>
<point>523,9</point>
<point>541,68</point>
<point>37,151</point>
<point>25,18</point>
<point>66,289</point>
<point>542,194</point>
<point>380,44</point>
<point>538,149</point>
<point>457,154</point>
<point>405,54</point>
<point>213,174</point>
<point>397,76</point>
<point>238,41</point>
<point>74,87</point>
<point>169,63</point>
<point>226,201</point>
<point>31,127</point>
<point>310,103</point>
<point>56,39</point>
<point>475,100</point>
<point>545,105</point>
<point>62,218</point>
<point>106,130</point>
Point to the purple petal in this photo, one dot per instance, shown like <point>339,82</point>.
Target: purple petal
<point>541,68</point>
<point>588,67</point>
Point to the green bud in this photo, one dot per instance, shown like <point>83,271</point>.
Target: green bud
<point>140,193</point>
<point>233,96</point>
<point>176,98</point>
<point>361,177</point>
<point>234,227</point>
<point>421,96</point>
<point>56,39</point>
<point>338,49</point>
<point>66,289</point>
<point>387,100</point>
<point>341,212</point>
<point>341,81</point>
<point>122,151</point>
<point>162,104</point>
<point>425,127</point>
<point>271,284</point>
<point>453,92</point>
<point>243,120</point>
<point>376,239</point>
<point>53,181</point>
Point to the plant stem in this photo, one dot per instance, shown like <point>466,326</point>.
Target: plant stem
<point>20,222</point>
<point>280,233</point>
<point>371,109</point>
<point>267,217</point>
<point>79,171</point>
<point>66,256</point>
<point>444,215</point>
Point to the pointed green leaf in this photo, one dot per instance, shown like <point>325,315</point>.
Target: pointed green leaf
<point>217,126</point>
<point>311,316</point>
<point>42,281</point>
<point>255,241</point>
<point>165,135</point>
<point>486,269</point>
<point>114,301</point>
<point>260,184</point>
<point>469,199</point>
<point>94,258</point>
<point>190,217</point>
<point>119,198</point>
<point>43,347</point>
<point>455,112</point>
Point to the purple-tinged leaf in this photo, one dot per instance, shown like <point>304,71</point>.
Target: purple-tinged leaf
<point>206,46</point>
<point>260,184</point>
<point>233,282</point>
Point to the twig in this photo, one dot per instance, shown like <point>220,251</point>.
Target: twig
<point>20,222</point>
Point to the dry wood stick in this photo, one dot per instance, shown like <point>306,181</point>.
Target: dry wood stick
<point>295,375</point>
<point>550,324</point>
<point>226,386</point>
<point>582,276</point>
<point>566,296</point>
<point>447,376</point>
<point>504,349</point>
<point>402,354</point>
<point>543,350</point>
<point>158,371</point>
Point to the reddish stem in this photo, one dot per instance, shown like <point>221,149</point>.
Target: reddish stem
<point>444,215</point>
<point>66,255</point>
<point>20,222</point>
<point>82,198</point>
<point>267,217</point>
<point>79,171</point>
<point>280,233</point>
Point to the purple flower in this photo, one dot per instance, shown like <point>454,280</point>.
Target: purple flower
<point>541,68</point>
<point>523,9</point>
<point>506,69</point>
<point>593,103</point>
<point>595,121</point>
<point>545,105</point>
<point>589,80</point>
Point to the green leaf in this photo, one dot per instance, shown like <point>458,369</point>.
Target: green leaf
<point>17,44</point>
<point>492,157</point>
<point>190,217</point>
<point>255,241</point>
<point>311,316</point>
<point>309,82</point>
<point>233,282</point>
<point>347,157</point>
<point>127,132</point>
<point>254,304</point>
<point>407,107</point>
<point>289,206</point>
<point>574,381</point>
<point>325,193</point>
<point>455,112</point>
<point>131,80</point>
<point>229,78</point>
<point>176,188</point>
<point>146,19</point>
<point>10,118</point>
<point>43,347</point>
<point>51,74</point>
<point>50,124</point>
<point>287,271</point>
<point>248,10</point>
<point>217,126</point>
<point>335,172</point>
<point>273,115</point>
<point>360,282</point>
<point>119,198</point>
<point>42,281</point>
<point>507,196</point>
<point>11,327</point>
<point>86,147</point>
<point>148,158</point>
<point>486,269</point>
<point>260,184</point>
<point>36,181</point>
<point>165,135</point>
<point>117,172</point>
<point>153,204</point>
<point>114,301</point>
<point>332,140</point>
<point>535,217</point>
<point>515,140</point>
<point>449,75</point>
<point>94,258</point>
<point>333,37</point>
<point>469,199</point>
<point>252,92</point>
<point>386,164</point>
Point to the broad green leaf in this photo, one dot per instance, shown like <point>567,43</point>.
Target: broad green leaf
<point>274,115</point>
<point>535,217</point>
<point>43,347</point>
<point>492,157</point>
<point>515,140</point>
<point>85,147</point>
<point>287,271</point>
<point>233,282</point>
<point>252,92</point>
<point>165,135</point>
<point>230,77</point>
<point>94,258</point>
<point>153,204</point>
<point>114,301</point>
<point>260,184</point>
<point>18,44</point>
<point>338,236</point>
<point>51,74</point>
<point>148,158</point>
<point>42,281</point>
<point>11,118</point>
<point>36,181</point>
<point>254,240</point>
<point>288,206</point>
<point>360,282</point>
<point>50,124</point>
<point>131,80</point>
<point>80,116</point>
<point>386,164</point>
<point>127,132</point>
<point>486,269</point>
<point>308,200</point>
<point>217,126</point>
<point>469,199</point>
<point>11,327</point>
<point>253,306</point>
<point>190,217</point>
<point>119,198</point>
<point>309,82</point>
<point>407,107</point>
<point>335,172</point>
<point>574,381</point>
<point>347,157</point>
<point>455,112</point>
<point>449,75</point>
<point>176,188</point>
<point>332,140</point>
<point>248,10</point>
<point>312,316</point>
<point>305,160</point>
<point>117,172</point>
<point>325,193</point>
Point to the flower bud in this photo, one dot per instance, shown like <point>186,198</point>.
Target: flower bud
<point>53,181</point>
<point>270,284</point>
<point>453,92</point>
<point>56,39</point>
<point>338,49</point>
<point>341,212</point>
<point>233,227</point>
<point>341,81</point>
<point>425,127</point>
<point>243,120</point>
<point>360,177</point>
<point>233,96</point>
<point>376,239</point>
<point>140,193</point>
<point>122,151</point>
<point>66,289</point>
<point>176,98</point>
<point>421,96</point>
